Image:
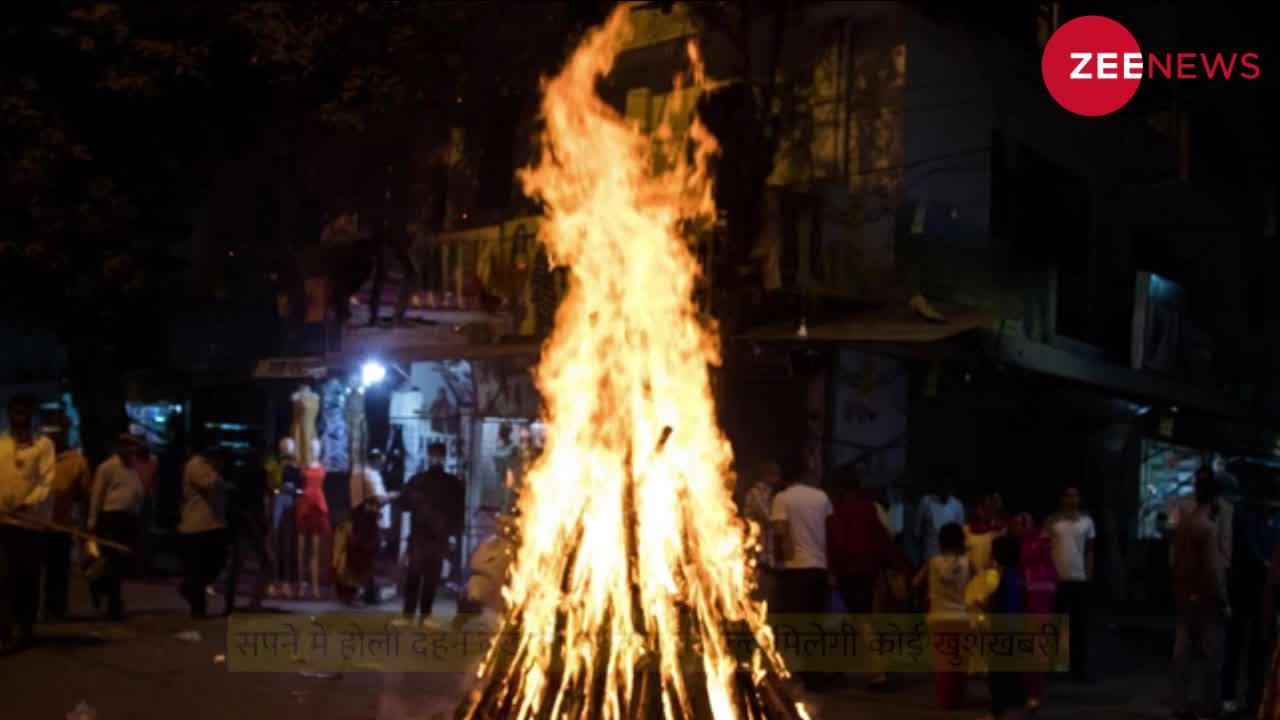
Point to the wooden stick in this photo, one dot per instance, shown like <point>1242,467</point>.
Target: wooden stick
<point>48,526</point>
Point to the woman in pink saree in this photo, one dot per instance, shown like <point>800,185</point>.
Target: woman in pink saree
<point>1041,579</point>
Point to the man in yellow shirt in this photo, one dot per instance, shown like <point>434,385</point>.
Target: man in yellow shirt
<point>26,479</point>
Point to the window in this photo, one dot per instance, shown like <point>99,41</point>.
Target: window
<point>1047,20</point>
<point>495,171</point>
<point>1053,226</point>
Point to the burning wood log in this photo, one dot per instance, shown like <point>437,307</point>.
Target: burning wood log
<point>632,565</point>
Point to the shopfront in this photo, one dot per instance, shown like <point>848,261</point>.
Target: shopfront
<point>483,410</point>
<point>1166,484</point>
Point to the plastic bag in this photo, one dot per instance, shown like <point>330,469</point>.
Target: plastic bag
<point>980,589</point>
<point>95,565</point>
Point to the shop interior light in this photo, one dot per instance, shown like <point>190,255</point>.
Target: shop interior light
<point>372,373</point>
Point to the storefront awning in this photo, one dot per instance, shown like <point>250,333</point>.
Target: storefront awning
<point>412,344</point>
<point>1049,360</point>
<point>885,325</point>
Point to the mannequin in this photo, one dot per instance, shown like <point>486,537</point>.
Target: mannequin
<point>306,405</point>
<point>312,518</point>
<point>357,426</point>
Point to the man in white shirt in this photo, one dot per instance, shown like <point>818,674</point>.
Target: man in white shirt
<point>114,508</point>
<point>368,489</point>
<point>799,515</point>
<point>202,527</point>
<point>26,502</point>
<point>936,510</point>
<point>1071,536</point>
<point>369,494</point>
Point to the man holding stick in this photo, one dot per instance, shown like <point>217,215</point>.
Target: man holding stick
<point>26,481</point>
<point>114,508</point>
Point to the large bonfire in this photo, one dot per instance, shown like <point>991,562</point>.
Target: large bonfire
<point>632,565</point>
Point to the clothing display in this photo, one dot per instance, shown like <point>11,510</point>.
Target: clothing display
<point>312,508</point>
<point>333,426</point>
<point>353,415</point>
<point>306,407</point>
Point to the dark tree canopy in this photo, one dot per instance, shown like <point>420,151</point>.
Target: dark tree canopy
<point>117,118</point>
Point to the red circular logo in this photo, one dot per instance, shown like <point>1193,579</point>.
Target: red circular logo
<point>1092,65</point>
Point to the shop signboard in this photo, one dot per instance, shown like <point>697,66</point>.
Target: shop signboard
<point>291,368</point>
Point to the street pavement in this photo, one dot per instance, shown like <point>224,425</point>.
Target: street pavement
<point>153,668</point>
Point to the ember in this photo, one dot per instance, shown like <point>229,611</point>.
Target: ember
<point>632,564</point>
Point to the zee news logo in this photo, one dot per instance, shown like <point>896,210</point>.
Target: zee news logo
<point>1092,66</point>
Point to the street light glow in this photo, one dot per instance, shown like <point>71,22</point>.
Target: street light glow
<point>372,373</point>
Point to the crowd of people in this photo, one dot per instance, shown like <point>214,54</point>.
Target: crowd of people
<point>1224,558</point>
<point>874,555</point>
<point>55,511</point>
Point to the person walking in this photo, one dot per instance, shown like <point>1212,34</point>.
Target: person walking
<point>935,510</point>
<point>435,500</point>
<point>1256,532</point>
<point>369,518</point>
<point>72,489</point>
<point>202,527</point>
<point>756,504</point>
<point>247,529</point>
<point>1071,537</point>
<point>1040,578</point>
<point>946,576</point>
<point>1269,706</point>
<point>799,516</point>
<point>861,550</point>
<point>1008,690</point>
<point>26,482</point>
<point>113,514</point>
<point>984,525</point>
<point>1200,600</point>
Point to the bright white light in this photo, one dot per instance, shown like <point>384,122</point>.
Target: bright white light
<point>372,373</point>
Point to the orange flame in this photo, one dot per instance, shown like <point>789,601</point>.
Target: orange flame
<point>629,556</point>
